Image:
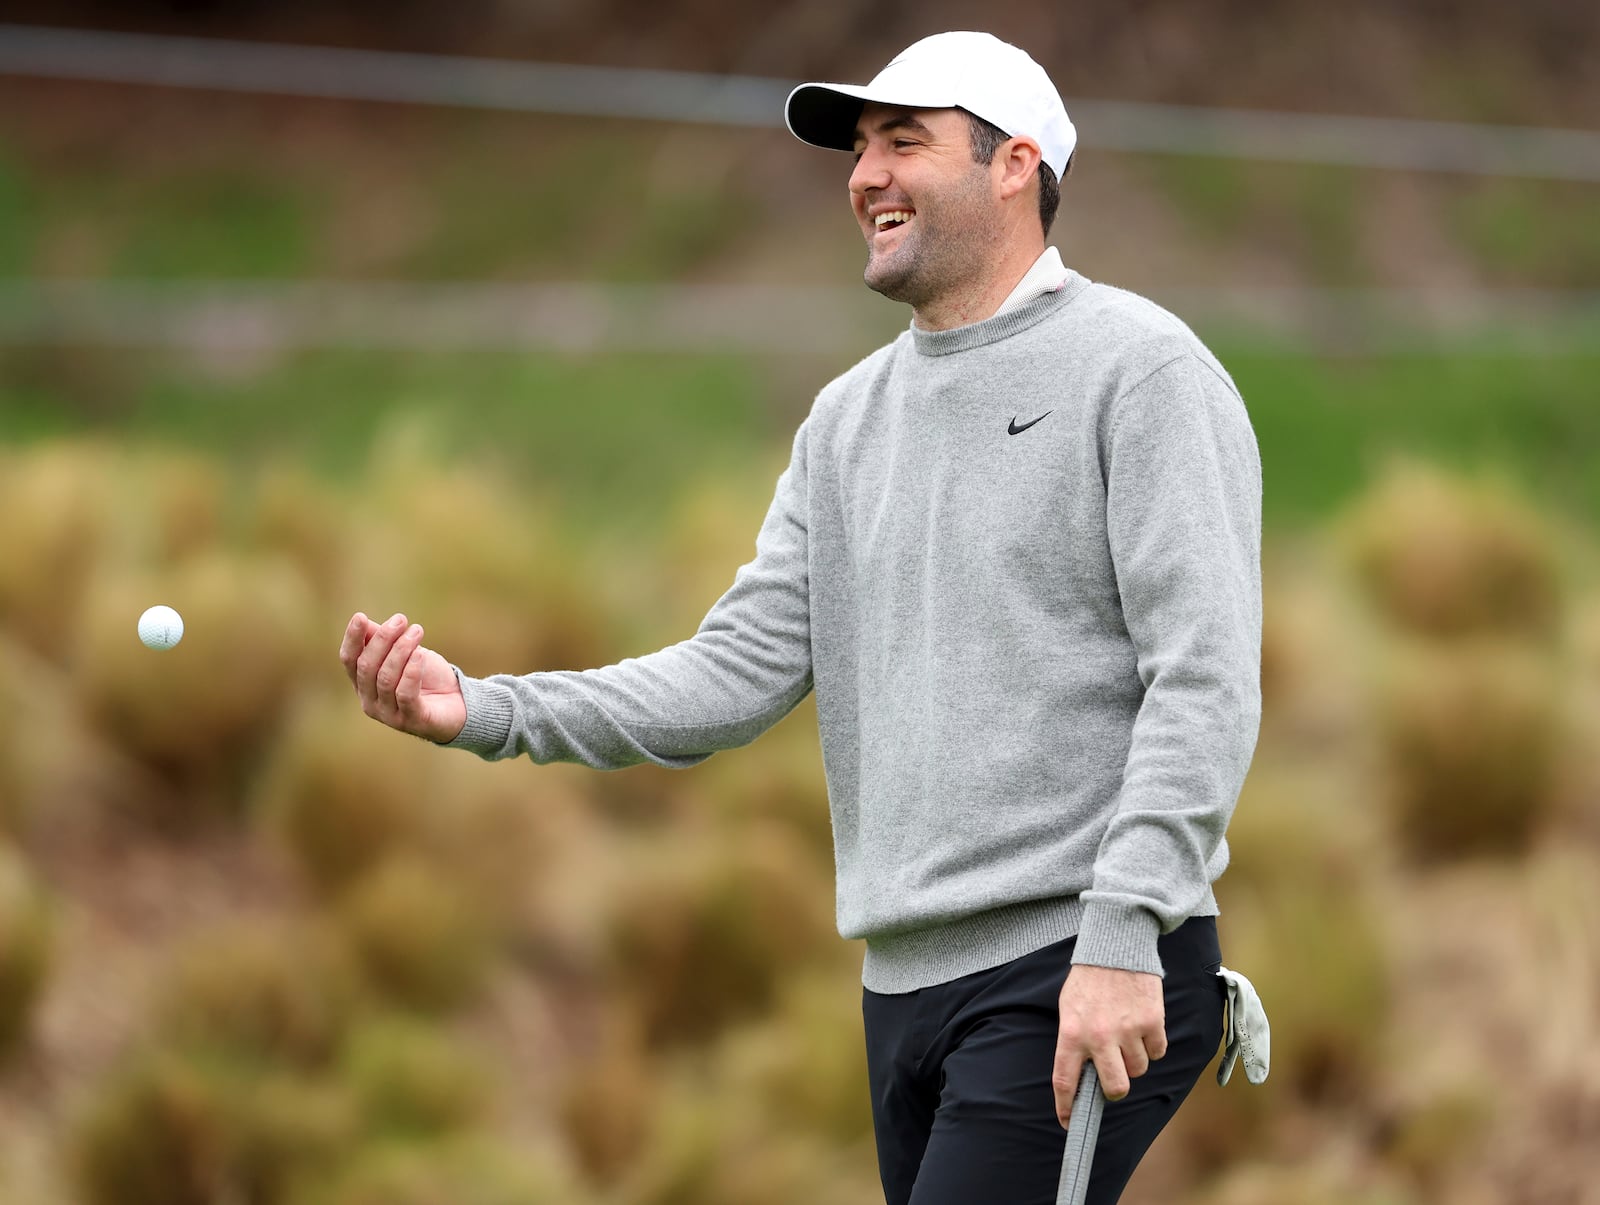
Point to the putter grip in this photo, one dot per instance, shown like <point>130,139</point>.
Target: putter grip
<point>1082,1133</point>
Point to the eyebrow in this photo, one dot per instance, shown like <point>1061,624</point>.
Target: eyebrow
<point>900,121</point>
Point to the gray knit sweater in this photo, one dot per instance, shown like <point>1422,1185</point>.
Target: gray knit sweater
<point>1019,561</point>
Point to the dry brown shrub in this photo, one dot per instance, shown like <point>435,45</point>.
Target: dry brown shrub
<point>1305,851</point>
<point>1443,556</point>
<point>182,499</point>
<point>57,503</point>
<point>1312,692</point>
<point>710,1147</point>
<point>607,1104</point>
<point>711,533</point>
<point>13,805</point>
<point>496,830</point>
<point>179,1129</point>
<point>1433,1137</point>
<point>473,1170</point>
<point>705,931</point>
<point>778,1110</point>
<point>1561,984</point>
<point>680,1162</point>
<point>1293,826</point>
<point>1315,955</point>
<point>302,521</point>
<point>1259,1182</point>
<point>419,941</point>
<point>807,1065</point>
<point>783,1169</point>
<point>196,710</point>
<point>1298,918</point>
<point>540,623</point>
<point>779,779</point>
<point>11,796</point>
<point>1586,637</point>
<point>25,947</point>
<point>1472,734</point>
<point>411,1081</point>
<point>343,792</point>
<point>272,990</point>
<point>500,597</point>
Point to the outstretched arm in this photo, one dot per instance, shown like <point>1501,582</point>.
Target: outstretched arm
<point>747,666</point>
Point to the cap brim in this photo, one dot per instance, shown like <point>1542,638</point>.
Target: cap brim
<point>825,115</point>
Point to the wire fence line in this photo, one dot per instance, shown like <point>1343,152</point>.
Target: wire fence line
<point>249,317</point>
<point>451,80</point>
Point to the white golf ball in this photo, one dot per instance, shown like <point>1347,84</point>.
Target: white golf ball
<point>160,628</point>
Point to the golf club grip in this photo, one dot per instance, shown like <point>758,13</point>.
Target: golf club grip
<point>1083,1131</point>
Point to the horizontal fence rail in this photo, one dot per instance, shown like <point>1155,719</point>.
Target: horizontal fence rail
<point>453,80</point>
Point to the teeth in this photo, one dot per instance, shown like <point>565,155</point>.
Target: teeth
<point>898,215</point>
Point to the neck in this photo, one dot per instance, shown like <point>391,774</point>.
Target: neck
<point>979,299</point>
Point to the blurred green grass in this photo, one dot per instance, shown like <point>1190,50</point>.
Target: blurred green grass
<point>1327,425</point>
<point>602,439</point>
<point>608,439</point>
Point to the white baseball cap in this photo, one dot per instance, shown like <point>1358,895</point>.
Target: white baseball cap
<point>977,72</point>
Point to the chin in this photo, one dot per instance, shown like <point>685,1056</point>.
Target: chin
<point>896,282</point>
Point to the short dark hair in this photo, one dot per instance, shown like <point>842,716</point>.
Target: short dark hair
<point>986,138</point>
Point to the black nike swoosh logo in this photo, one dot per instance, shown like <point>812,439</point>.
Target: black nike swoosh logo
<point>1013,429</point>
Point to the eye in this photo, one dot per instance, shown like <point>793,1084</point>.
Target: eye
<point>900,144</point>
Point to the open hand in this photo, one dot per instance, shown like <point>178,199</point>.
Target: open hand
<point>1117,1020</point>
<point>400,683</point>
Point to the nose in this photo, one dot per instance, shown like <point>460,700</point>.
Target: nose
<point>871,171</point>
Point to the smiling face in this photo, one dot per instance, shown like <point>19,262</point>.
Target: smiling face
<point>932,217</point>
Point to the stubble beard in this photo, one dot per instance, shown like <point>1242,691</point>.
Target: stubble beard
<point>944,249</point>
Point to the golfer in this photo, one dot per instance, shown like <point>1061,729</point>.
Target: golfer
<point>1016,553</point>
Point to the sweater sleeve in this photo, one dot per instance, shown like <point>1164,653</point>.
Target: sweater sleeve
<point>746,667</point>
<point>1183,519</point>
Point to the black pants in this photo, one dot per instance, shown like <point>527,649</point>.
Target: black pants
<point>962,1105</point>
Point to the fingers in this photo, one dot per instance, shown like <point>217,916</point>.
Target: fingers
<point>408,691</point>
<point>1113,1018</point>
<point>1135,1058</point>
<point>356,634</point>
<point>1155,1044</point>
<point>371,661</point>
<point>1064,1077</point>
<point>1114,1079</point>
<point>387,680</point>
<point>389,668</point>
<point>394,665</point>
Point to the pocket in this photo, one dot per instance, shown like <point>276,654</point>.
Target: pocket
<point>1191,948</point>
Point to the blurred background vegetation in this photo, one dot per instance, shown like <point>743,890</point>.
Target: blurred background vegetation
<point>255,948</point>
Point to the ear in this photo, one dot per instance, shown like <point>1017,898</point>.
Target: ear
<point>1017,162</point>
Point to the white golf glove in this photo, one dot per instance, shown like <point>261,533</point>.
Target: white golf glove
<point>1247,1033</point>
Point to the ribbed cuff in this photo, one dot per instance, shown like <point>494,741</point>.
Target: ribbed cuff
<point>1120,936</point>
<point>489,713</point>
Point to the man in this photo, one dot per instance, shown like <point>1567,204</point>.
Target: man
<point>1016,553</point>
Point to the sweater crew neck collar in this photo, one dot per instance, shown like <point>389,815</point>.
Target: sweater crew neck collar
<point>999,326</point>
